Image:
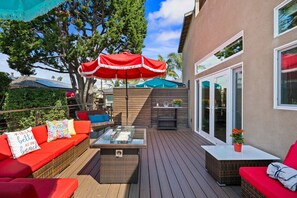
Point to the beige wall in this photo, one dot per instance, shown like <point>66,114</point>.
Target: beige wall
<point>266,128</point>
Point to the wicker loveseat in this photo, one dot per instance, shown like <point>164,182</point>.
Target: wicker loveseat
<point>256,183</point>
<point>97,125</point>
<point>48,161</point>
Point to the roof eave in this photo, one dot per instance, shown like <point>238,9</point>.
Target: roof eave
<point>186,25</point>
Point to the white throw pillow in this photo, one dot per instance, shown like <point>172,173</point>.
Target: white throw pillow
<point>71,127</point>
<point>21,142</point>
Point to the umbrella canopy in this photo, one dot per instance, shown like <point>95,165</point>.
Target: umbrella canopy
<point>26,10</point>
<point>123,66</point>
<point>157,83</point>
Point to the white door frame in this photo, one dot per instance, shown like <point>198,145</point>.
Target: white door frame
<point>211,79</point>
<point>229,110</point>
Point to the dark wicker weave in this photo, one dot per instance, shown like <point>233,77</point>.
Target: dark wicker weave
<point>81,148</point>
<point>63,160</point>
<point>249,191</point>
<point>227,171</point>
<point>119,170</point>
<point>44,172</point>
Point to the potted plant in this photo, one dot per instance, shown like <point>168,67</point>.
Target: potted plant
<point>177,102</point>
<point>237,138</point>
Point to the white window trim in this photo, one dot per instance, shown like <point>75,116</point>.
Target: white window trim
<point>276,79</point>
<point>225,44</point>
<point>276,9</point>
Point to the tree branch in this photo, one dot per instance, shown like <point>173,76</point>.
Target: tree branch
<point>49,69</point>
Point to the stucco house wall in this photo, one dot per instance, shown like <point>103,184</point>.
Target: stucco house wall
<point>265,127</point>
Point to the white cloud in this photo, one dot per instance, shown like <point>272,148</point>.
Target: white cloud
<point>167,35</point>
<point>171,12</point>
<point>40,73</point>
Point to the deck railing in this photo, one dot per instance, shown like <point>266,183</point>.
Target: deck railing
<point>70,113</point>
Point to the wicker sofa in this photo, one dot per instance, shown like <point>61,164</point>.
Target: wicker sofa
<point>256,183</point>
<point>48,161</point>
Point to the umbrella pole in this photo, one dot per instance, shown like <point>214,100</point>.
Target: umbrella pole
<point>126,99</point>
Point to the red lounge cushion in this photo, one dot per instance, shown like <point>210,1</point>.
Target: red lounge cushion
<point>269,187</point>
<point>5,179</point>
<point>56,147</point>
<point>40,134</point>
<point>82,115</point>
<point>17,190</point>
<point>54,188</point>
<point>79,138</point>
<point>82,127</point>
<point>25,165</point>
<point>5,151</point>
<point>291,158</point>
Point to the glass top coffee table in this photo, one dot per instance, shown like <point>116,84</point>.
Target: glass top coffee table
<point>119,150</point>
<point>223,163</point>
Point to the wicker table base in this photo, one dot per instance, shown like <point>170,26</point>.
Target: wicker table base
<point>223,163</point>
<point>226,172</point>
<point>118,170</point>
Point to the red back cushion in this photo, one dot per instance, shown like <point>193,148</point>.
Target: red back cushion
<point>82,115</point>
<point>40,134</point>
<point>82,127</point>
<point>5,151</point>
<point>291,158</point>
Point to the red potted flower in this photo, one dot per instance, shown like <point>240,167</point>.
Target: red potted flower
<point>238,140</point>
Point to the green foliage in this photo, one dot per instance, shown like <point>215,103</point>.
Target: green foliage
<point>73,33</point>
<point>34,98</point>
<point>4,82</point>
<point>174,62</point>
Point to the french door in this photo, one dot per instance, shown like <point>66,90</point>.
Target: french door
<point>214,107</point>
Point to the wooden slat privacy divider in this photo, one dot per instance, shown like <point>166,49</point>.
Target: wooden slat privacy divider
<point>141,102</point>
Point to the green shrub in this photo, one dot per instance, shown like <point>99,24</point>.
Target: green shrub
<point>28,98</point>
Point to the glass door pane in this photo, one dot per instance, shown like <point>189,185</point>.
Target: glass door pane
<point>220,106</point>
<point>205,87</point>
<point>237,99</point>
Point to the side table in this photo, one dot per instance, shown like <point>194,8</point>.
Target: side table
<point>223,163</point>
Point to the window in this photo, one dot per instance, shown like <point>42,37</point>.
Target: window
<point>286,77</point>
<point>228,50</point>
<point>285,17</point>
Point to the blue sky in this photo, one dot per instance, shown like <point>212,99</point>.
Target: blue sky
<point>164,18</point>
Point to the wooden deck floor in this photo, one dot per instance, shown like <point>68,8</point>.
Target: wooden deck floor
<point>171,166</point>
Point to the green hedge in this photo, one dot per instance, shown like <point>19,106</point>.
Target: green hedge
<point>34,98</point>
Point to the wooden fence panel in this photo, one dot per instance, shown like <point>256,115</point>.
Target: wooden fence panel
<point>141,102</point>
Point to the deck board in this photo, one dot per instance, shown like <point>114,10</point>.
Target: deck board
<point>171,166</point>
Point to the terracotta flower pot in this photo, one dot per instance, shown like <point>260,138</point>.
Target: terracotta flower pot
<point>237,147</point>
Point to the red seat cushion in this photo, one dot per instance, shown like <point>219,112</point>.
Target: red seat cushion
<point>82,127</point>
<point>54,188</point>
<point>17,190</point>
<point>82,115</point>
<point>5,151</point>
<point>56,147</point>
<point>25,165</point>
<point>291,158</point>
<point>40,133</point>
<point>5,179</point>
<point>78,138</point>
<point>269,187</point>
